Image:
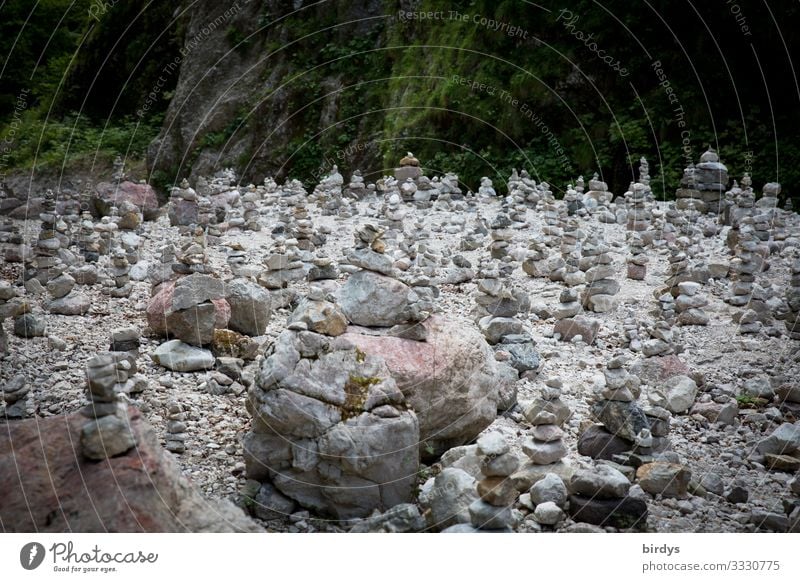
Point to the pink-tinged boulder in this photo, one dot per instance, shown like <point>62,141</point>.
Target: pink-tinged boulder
<point>451,380</point>
<point>108,194</point>
<point>194,325</point>
<point>48,486</point>
<point>655,371</point>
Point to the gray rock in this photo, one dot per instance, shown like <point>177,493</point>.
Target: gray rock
<point>28,326</point>
<point>195,289</point>
<point>603,482</point>
<point>493,444</point>
<point>544,453</point>
<point>596,442</point>
<point>712,483</point>
<point>499,466</point>
<point>322,317</point>
<point>582,326</point>
<point>524,356</point>
<point>548,513</point>
<point>370,260</point>
<point>106,437</point>
<point>549,488</point>
<point>315,436</point>
<point>60,286</point>
<point>624,419</point>
<point>250,307</point>
<point>676,394</point>
<point>449,498</point>
<point>403,518</point>
<point>451,380</point>
<point>72,304</point>
<point>784,440</point>
<point>180,357</point>
<point>371,299</point>
<point>665,479</point>
<point>271,504</point>
<point>485,516</point>
<point>494,329</point>
<point>628,513</point>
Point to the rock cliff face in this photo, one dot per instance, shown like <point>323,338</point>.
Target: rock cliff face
<point>244,86</point>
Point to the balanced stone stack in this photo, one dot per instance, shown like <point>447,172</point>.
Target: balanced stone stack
<point>598,198</point>
<point>183,209</point>
<point>703,184</point>
<point>492,511</point>
<point>599,271</point>
<point>394,214</point>
<point>282,267</point>
<point>663,339</point>
<point>250,212</point>
<point>307,238</point>
<point>120,274</point>
<point>322,268</point>
<point>409,168</point>
<point>108,433</point>
<point>535,262</point>
<point>126,339</point>
<point>568,269</point>
<point>573,202</point>
<point>637,260</point>
<point>744,268</point>
<point>498,305</point>
<point>600,497</point>
<point>792,300</point>
<point>625,424</point>
<point>639,215</point>
<point>569,304</point>
<point>175,440</point>
<point>8,308</point>
<point>15,394</point>
<point>374,297</point>
<point>192,256</point>
<point>500,233</point>
<point>547,414</point>
<point>130,217</point>
<point>630,329</point>
<point>356,188</point>
<point>689,304</point>
<point>48,243</point>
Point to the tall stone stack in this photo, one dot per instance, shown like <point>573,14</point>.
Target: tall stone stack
<point>500,233</point>
<point>599,198</point>
<point>357,188</point>
<point>568,269</point>
<point>545,444</point>
<point>183,209</point>
<point>498,305</point>
<point>625,424</point>
<point>108,432</point>
<point>7,309</point>
<point>175,440</point>
<point>250,211</point>
<point>639,215</point>
<point>744,268</point>
<point>637,259</point>
<point>703,184</point>
<point>393,214</point>
<point>46,258</point>
<point>120,274</point>
<point>598,268</point>
<point>535,262</point>
<point>689,304</point>
<point>792,300</point>
<point>492,511</point>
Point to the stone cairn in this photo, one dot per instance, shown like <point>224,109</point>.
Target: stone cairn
<point>703,184</point>
<point>175,441</point>
<point>357,188</point>
<point>598,198</point>
<point>600,496</point>
<point>120,274</point>
<point>601,287</point>
<point>108,433</point>
<point>637,259</point>
<point>14,394</point>
<point>498,306</point>
<point>630,329</point>
<point>492,511</point>
<point>547,414</point>
<point>409,168</point>
<point>500,233</point>
<point>393,215</point>
<point>792,299</point>
<point>7,309</point>
<point>535,262</point>
<point>624,424</point>
<point>744,268</point>
<point>183,209</point>
<point>45,258</point>
<point>639,215</point>
<point>689,304</point>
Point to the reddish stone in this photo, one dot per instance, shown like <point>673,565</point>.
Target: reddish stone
<point>142,196</point>
<point>48,486</point>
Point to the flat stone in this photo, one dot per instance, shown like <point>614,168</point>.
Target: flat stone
<point>180,357</point>
<point>628,513</point>
<point>604,482</point>
<point>665,479</point>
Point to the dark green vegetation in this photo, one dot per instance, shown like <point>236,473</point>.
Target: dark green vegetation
<point>364,96</point>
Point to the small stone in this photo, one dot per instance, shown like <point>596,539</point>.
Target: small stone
<point>549,488</point>
<point>485,516</point>
<point>548,513</point>
<point>497,491</point>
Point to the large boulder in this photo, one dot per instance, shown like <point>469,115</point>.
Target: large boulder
<point>330,429</point>
<point>142,196</point>
<point>140,491</point>
<point>450,380</point>
<point>189,310</point>
<point>250,307</point>
<point>371,299</point>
